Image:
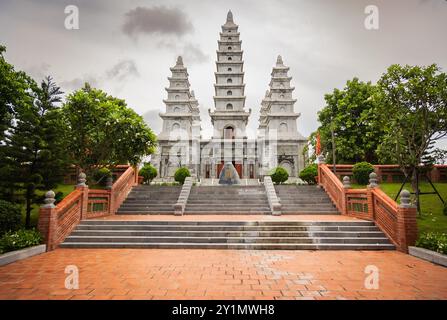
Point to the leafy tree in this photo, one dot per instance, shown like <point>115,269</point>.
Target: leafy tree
<point>310,148</point>
<point>14,92</point>
<point>103,131</point>
<point>414,109</point>
<point>34,153</point>
<point>351,117</point>
<point>279,175</point>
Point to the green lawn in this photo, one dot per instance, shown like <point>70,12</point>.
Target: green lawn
<point>64,188</point>
<point>432,218</point>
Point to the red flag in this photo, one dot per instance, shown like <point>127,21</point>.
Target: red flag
<point>318,145</point>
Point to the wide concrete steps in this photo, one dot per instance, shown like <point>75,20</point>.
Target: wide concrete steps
<point>144,199</point>
<point>304,200</point>
<point>287,235</point>
<point>233,200</point>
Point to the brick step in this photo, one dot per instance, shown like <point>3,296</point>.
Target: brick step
<point>231,222</point>
<point>249,235</point>
<point>216,233</point>
<point>146,239</point>
<point>234,246</point>
<point>224,228</point>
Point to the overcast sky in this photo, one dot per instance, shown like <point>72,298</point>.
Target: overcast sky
<point>127,47</point>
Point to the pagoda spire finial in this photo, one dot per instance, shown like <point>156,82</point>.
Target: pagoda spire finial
<point>179,61</point>
<point>230,16</point>
<point>279,61</point>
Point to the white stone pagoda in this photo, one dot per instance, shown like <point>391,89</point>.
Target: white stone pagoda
<point>278,141</point>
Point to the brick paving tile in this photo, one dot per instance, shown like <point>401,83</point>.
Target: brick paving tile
<point>221,274</point>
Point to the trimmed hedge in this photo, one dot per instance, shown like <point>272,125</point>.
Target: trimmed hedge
<point>148,172</point>
<point>433,241</point>
<point>361,171</point>
<point>101,176</point>
<point>20,239</point>
<point>309,174</point>
<point>279,175</point>
<point>10,216</point>
<point>181,174</point>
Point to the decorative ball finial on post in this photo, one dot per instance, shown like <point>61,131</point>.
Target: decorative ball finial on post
<point>405,199</point>
<point>82,179</point>
<point>346,182</point>
<point>230,16</point>
<point>373,180</point>
<point>279,61</point>
<point>49,199</point>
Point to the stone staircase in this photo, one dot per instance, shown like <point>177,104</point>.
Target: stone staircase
<point>293,235</point>
<point>150,199</point>
<point>304,199</point>
<point>227,200</point>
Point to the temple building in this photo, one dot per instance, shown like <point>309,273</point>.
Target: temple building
<point>278,142</point>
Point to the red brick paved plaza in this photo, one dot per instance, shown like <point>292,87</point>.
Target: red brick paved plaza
<point>222,274</point>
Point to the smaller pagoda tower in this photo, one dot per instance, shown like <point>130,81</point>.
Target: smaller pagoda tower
<point>179,140</point>
<point>278,122</point>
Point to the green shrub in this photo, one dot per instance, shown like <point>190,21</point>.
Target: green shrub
<point>181,174</point>
<point>101,176</point>
<point>148,172</point>
<point>15,240</point>
<point>279,175</point>
<point>10,216</point>
<point>309,174</point>
<point>361,171</point>
<point>433,241</point>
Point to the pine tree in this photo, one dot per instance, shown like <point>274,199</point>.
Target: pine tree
<point>34,146</point>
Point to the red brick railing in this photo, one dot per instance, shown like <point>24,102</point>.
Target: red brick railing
<point>334,187</point>
<point>398,222</point>
<point>57,222</point>
<point>392,172</point>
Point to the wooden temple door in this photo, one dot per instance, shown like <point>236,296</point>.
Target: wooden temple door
<point>238,167</point>
<point>219,168</point>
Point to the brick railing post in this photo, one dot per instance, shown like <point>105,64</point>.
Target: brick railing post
<point>83,187</point>
<point>47,223</point>
<point>369,194</point>
<point>136,175</point>
<point>407,230</point>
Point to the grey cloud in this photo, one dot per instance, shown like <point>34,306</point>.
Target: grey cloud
<point>156,20</point>
<point>38,72</point>
<point>153,120</point>
<point>78,83</point>
<point>123,70</point>
<point>193,54</point>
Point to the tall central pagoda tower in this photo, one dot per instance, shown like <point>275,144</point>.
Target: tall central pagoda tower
<point>229,118</point>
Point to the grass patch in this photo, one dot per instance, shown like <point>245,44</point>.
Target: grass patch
<point>64,188</point>
<point>432,219</point>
